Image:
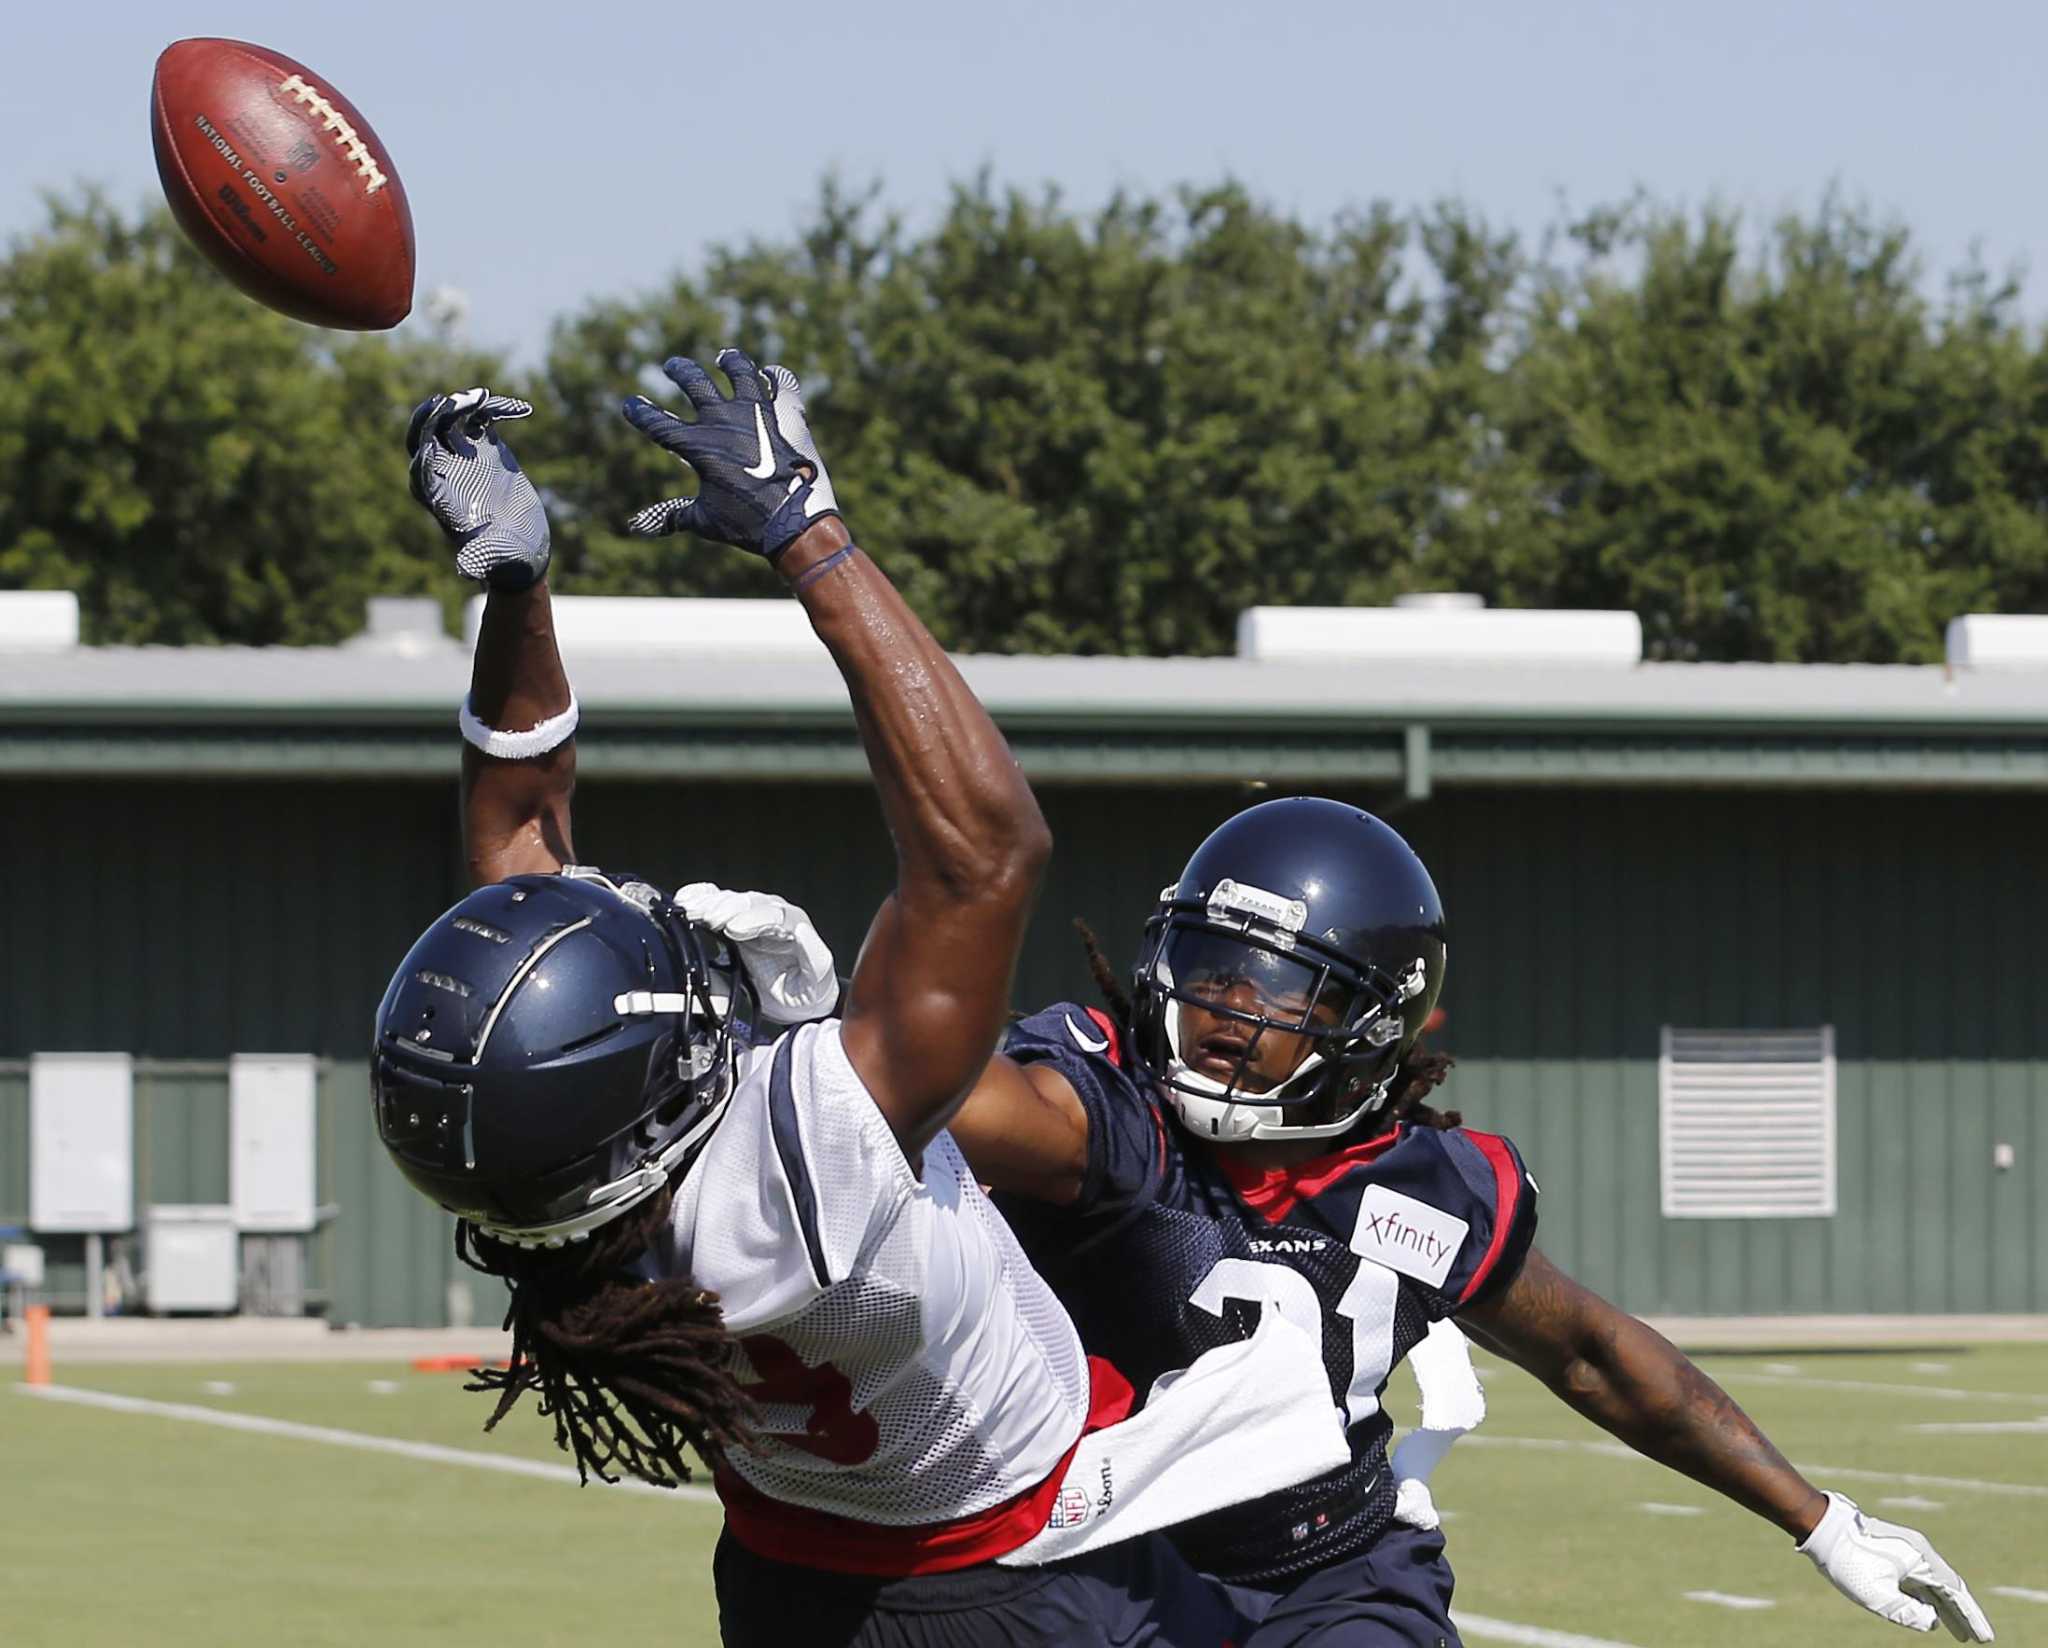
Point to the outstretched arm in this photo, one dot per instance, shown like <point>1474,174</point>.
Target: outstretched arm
<point>1632,1381</point>
<point>519,751</point>
<point>515,811</point>
<point>931,989</point>
<point>1023,1129</point>
<point>932,986</point>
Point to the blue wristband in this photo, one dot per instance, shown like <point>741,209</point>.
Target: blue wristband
<point>811,574</point>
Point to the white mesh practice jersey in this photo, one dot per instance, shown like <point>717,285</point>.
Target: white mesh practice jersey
<point>910,1366</point>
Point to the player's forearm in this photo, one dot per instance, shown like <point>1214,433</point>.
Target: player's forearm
<point>516,812</point>
<point>966,825</point>
<point>1634,1383</point>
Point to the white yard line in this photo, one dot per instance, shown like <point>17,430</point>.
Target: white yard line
<point>1988,1427</point>
<point>1940,1393</point>
<point>1477,1626</point>
<point>1724,1599</point>
<point>2019,1593</point>
<point>1481,1629</point>
<point>1964,1484</point>
<point>432,1452</point>
<point>1654,1508</point>
<point>1909,1479</point>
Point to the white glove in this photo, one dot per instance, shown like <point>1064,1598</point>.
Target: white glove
<point>1414,1506</point>
<point>791,966</point>
<point>1893,1572</point>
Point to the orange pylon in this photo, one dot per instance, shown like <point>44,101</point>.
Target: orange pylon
<point>36,1368</point>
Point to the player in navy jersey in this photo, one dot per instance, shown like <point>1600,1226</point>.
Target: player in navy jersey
<point>1247,1133</point>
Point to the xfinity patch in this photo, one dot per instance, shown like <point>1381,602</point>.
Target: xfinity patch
<point>1406,1235</point>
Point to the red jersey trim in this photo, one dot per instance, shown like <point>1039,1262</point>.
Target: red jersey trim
<point>1273,1192</point>
<point>806,1538</point>
<point>1507,1186</point>
<point>1107,1025</point>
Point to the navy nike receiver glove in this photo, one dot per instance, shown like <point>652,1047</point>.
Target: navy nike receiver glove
<point>473,486</point>
<point>759,480</point>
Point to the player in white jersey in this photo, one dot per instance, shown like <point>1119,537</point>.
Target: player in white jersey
<point>769,1251</point>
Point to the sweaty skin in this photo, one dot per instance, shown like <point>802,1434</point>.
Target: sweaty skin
<point>1635,1384</point>
<point>515,814</point>
<point>932,986</point>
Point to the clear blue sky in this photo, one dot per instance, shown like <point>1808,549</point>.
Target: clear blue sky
<point>554,152</point>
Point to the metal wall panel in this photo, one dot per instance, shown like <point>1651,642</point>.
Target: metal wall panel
<point>181,1133</point>
<point>14,1145</point>
<point>387,1259</point>
<point>1582,924</point>
<point>191,922</point>
<point>196,920</point>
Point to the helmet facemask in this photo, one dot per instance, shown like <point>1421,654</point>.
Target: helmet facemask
<point>697,1073</point>
<point>1258,1029</point>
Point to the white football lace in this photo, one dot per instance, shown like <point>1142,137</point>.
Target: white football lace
<point>353,146</point>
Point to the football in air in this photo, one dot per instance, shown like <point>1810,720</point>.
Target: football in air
<point>280,181</point>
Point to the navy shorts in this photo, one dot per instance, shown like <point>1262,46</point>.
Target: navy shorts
<point>1133,1595</point>
<point>1140,1594</point>
<point>1395,1595</point>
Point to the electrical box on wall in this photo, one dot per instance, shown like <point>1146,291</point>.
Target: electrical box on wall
<point>81,1143</point>
<point>271,1128</point>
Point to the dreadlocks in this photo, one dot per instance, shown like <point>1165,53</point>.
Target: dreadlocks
<point>632,1372</point>
<point>1419,1073</point>
<point>1105,975</point>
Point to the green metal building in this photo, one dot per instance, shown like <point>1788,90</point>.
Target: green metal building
<point>1669,887</point>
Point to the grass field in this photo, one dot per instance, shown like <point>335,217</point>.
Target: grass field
<point>143,1527</point>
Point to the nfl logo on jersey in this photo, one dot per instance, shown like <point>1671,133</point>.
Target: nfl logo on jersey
<point>1070,1510</point>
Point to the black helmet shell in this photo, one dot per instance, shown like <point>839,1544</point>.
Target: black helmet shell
<point>514,1073</point>
<point>1340,896</point>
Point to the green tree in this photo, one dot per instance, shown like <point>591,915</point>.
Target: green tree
<point>1101,433</point>
<point>1113,431</point>
<point>196,467</point>
<point>1793,455</point>
<point>1107,431</point>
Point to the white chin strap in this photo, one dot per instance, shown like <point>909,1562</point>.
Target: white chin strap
<point>1201,1104</point>
<point>1209,1115</point>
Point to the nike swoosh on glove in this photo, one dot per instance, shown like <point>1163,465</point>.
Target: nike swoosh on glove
<point>790,964</point>
<point>1893,1572</point>
<point>473,486</point>
<point>759,479</point>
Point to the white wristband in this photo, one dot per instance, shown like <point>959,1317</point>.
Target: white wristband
<point>518,746</point>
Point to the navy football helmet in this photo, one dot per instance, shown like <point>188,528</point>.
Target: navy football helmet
<point>1305,933</point>
<point>552,1048</point>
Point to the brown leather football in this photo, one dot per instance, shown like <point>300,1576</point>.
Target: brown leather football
<point>282,184</point>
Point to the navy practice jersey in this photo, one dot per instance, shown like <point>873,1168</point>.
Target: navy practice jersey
<point>1173,1248</point>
